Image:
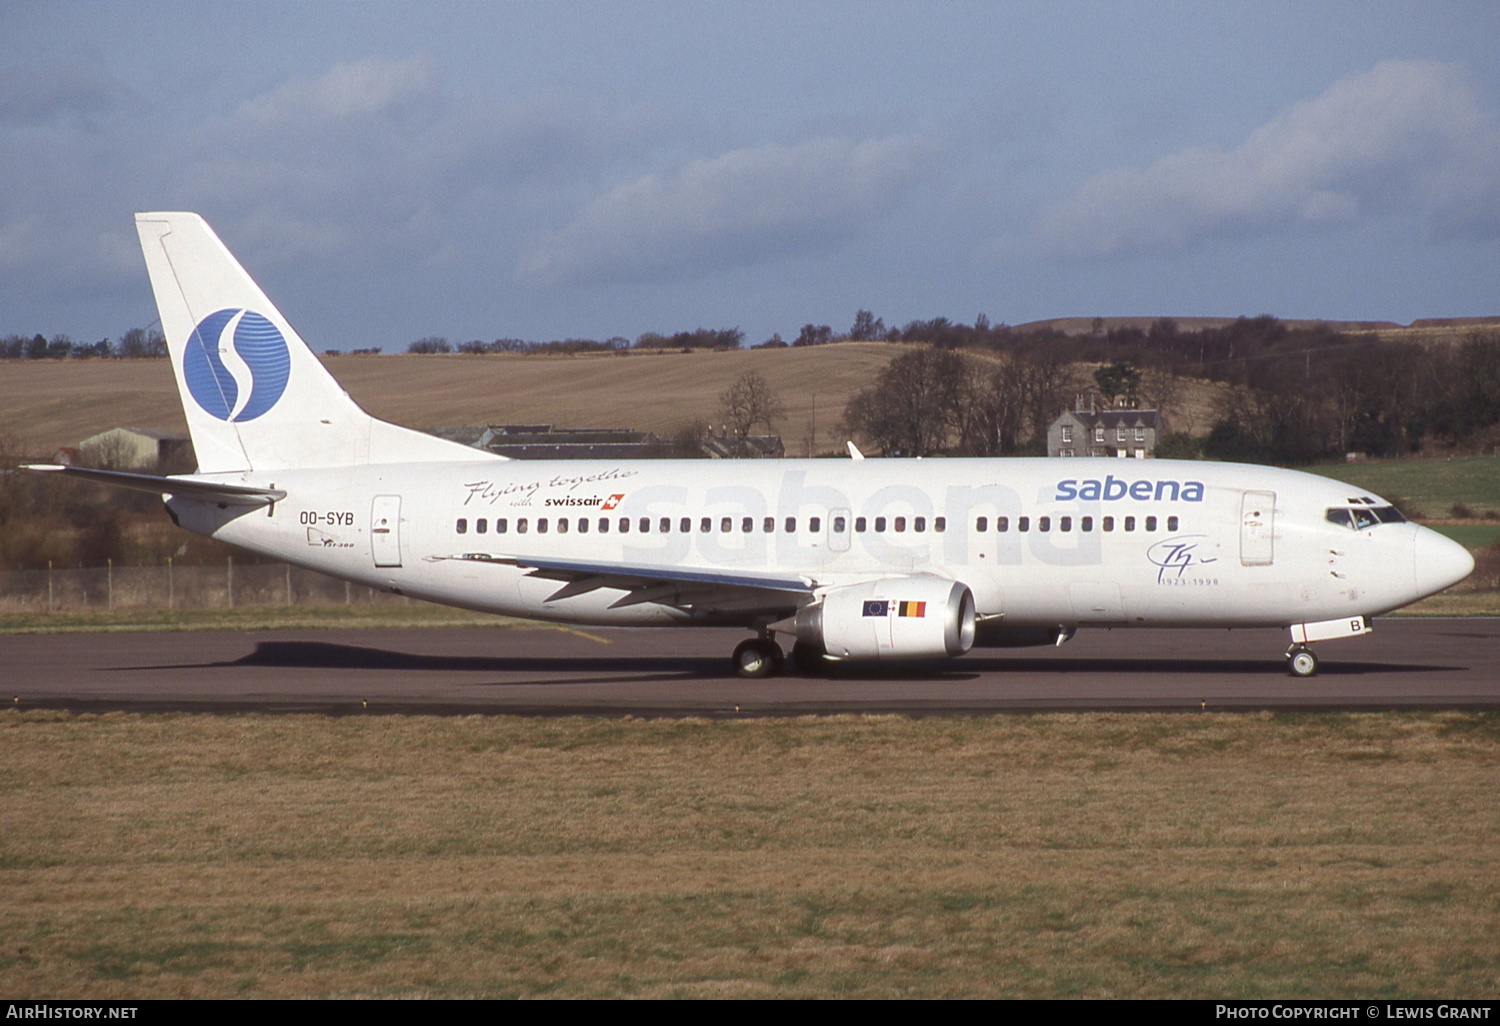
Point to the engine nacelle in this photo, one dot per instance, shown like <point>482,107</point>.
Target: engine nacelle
<point>895,618</point>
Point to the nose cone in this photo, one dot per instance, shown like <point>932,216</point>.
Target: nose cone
<point>1438,562</point>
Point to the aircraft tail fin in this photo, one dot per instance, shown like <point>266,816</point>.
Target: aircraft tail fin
<point>255,396</point>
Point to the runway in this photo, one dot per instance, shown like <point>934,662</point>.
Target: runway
<point>541,671</point>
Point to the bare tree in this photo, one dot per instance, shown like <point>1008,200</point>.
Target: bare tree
<point>1019,398</point>
<point>748,402</point>
<point>915,405</point>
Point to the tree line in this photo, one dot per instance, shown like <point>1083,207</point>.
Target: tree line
<point>1288,394</point>
<point>134,344</point>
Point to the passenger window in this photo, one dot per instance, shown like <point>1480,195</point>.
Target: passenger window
<point>1150,523</point>
<point>1130,523</point>
<point>645,525</point>
<point>705,525</point>
<point>840,525</point>
<point>604,525</point>
<point>562,525</point>
<point>815,524</point>
<point>768,525</point>
<point>624,525</point>
<point>462,527</point>
<point>900,525</point>
<point>1065,523</point>
<point>521,526</point>
<point>1172,523</point>
<point>1086,524</point>
<point>1002,524</point>
<point>747,525</point>
<point>1109,523</point>
<point>1044,524</point>
<point>982,524</point>
<point>501,525</point>
<point>481,526</point>
<point>791,525</point>
<point>919,524</point>
<point>940,524</point>
<point>1023,524</point>
<point>583,525</point>
<point>664,525</point>
<point>726,524</point>
<point>685,525</point>
<point>541,525</point>
<point>859,525</point>
<point>880,524</point>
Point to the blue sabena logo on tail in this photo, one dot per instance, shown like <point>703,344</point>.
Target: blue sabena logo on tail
<point>236,364</point>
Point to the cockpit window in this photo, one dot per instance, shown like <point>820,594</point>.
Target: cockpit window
<point>1359,518</point>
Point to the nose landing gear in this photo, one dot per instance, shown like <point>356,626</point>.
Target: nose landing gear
<point>1301,661</point>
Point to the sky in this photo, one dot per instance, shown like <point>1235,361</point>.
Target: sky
<point>543,170</point>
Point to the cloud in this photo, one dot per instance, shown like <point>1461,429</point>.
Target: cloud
<point>1406,139</point>
<point>387,146</point>
<point>57,93</point>
<point>370,88</point>
<point>739,208</point>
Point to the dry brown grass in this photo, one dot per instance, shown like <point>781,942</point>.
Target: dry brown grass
<point>1088,855</point>
<point>45,404</point>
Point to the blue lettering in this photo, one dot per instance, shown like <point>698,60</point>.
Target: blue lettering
<point>1112,489</point>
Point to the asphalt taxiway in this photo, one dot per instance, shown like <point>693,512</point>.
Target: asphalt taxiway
<point>1406,664</point>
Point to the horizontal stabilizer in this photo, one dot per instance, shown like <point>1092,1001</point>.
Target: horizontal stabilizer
<point>184,487</point>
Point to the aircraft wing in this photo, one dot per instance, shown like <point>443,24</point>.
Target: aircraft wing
<point>187,487</point>
<point>667,585</point>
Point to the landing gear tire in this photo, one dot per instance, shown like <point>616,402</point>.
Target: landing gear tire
<point>758,657</point>
<point>1301,662</point>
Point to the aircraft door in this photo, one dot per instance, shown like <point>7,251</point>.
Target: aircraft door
<point>385,530</point>
<point>840,524</point>
<point>1257,525</point>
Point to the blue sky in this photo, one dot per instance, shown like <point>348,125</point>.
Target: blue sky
<point>543,170</point>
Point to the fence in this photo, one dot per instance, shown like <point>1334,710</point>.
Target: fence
<point>225,586</point>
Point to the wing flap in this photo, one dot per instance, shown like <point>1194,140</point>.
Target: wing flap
<point>668,585</point>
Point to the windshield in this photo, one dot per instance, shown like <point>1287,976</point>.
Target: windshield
<point>1359,518</point>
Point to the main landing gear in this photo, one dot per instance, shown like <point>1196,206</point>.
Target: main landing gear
<point>758,657</point>
<point>1301,661</point>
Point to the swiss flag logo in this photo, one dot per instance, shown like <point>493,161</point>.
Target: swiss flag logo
<point>613,501</point>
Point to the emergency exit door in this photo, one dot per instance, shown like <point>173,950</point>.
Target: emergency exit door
<point>1257,528</point>
<point>385,530</point>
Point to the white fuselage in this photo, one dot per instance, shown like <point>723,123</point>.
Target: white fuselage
<point>1066,542</point>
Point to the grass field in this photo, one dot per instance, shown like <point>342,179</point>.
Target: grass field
<point>1039,856</point>
<point>45,404</point>
<point>1471,536</point>
<point>1431,486</point>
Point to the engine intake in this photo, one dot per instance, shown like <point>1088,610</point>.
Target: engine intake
<point>893,618</point>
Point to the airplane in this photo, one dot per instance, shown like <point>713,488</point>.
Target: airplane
<point>851,560</point>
